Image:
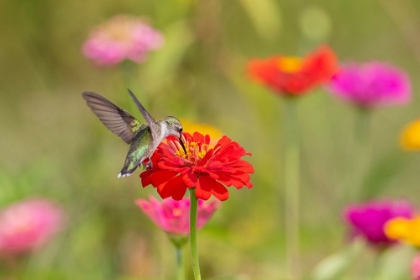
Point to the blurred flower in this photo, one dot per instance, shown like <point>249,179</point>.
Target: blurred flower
<point>28,224</point>
<point>410,138</point>
<point>205,129</point>
<point>371,84</point>
<point>404,229</point>
<point>173,216</point>
<point>415,268</point>
<point>207,169</point>
<point>122,37</point>
<point>368,220</point>
<point>293,75</point>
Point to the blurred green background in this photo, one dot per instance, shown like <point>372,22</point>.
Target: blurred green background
<point>52,145</point>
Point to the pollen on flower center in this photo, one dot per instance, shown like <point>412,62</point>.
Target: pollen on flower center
<point>176,212</point>
<point>290,64</point>
<point>120,28</point>
<point>181,153</point>
<point>194,151</point>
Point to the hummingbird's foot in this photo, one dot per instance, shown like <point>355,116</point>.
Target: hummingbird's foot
<point>150,164</point>
<point>147,166</point>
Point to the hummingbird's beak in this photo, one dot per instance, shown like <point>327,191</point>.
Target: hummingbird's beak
<point>182,144</point>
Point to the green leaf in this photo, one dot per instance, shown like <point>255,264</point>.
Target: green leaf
<point>333,267</point>
<point>395,263</point>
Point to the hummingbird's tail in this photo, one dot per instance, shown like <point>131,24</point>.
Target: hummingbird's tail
<point>130,165</point>
<point>125,173</point>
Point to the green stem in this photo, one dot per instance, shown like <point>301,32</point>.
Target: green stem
<point>292,190</point>
<point>180,275</point>
<point>193,234</point>
<point>179,241</point>
<point>128,72</point>
<point>361,158</point>
<point>376,264</point>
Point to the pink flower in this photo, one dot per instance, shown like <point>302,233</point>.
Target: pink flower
<point>122,37</point>
<point>173,216</point>
<point>368,220</point>
<point>415,268</point>
<point>27,225</point>
<point>371,84</point>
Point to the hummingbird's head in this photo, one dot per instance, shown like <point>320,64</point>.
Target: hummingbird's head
<point>174,127</point>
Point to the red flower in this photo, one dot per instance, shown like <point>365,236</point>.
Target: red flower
<point>292,75</point>
<point>209,170</point>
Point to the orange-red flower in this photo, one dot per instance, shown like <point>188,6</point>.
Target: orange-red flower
<point>293,75</point>
<point>207,169</point>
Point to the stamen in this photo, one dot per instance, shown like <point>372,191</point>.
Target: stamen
<point>195,151</point>
<point>173,146</point>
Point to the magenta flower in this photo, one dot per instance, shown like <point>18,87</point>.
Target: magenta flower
<point>27,225</point>
<point>173,216</point>
<point>371,84</point>
<point>368,220</point>
<point>415,268</point>
<point>122,37</point>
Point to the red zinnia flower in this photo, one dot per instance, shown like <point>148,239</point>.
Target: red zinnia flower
<point>293,75</point>
<point>209,170</point>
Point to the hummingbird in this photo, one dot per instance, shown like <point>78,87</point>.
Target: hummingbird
<point>142,138</point>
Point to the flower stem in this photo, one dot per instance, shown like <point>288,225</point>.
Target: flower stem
<point>180,275</point>
<point>193,235</point>
<point>128,72</point>
<point>375,267</point>
<point>179,241</point>
<point>361,159</point>
<point>292,191</point>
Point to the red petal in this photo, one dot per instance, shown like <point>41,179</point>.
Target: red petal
<point>174,188</point>
<point>187,136</point>
<point>320,65</point>
<point>242,166</point>
<point>206,157</point>
<point>219,191</point>
<point>198,137</point>
<point>159,177</point>
<point>190,179</point>
<point>203,188</point>
<point>225,179</point>
<point>145,178</point>
<point>241,180</point>
<point>172,165</point>
<point>207,186</point>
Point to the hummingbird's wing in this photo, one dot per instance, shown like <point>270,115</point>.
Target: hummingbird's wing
<point>149,119</point>
<point>113,117</point>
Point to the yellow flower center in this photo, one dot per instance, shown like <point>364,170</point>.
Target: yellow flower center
<point>194,152</point>
<point>120,28</point>
<point>177,212</point>
<point>290,64</point>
